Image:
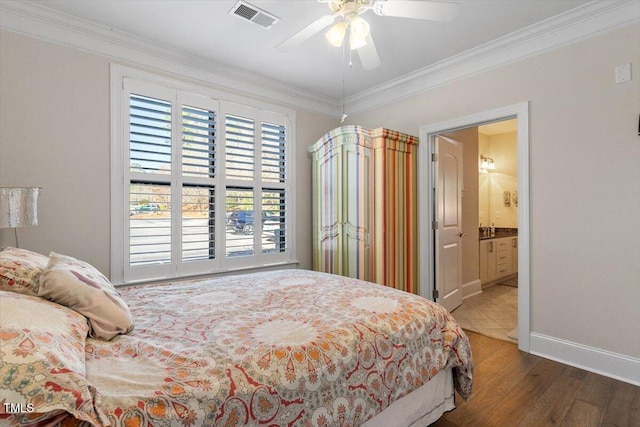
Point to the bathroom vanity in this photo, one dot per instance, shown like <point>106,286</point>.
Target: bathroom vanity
<point>498,255</point>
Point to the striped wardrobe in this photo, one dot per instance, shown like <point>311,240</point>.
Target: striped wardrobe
<point>365,206</point>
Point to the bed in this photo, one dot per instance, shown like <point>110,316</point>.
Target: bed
<point>280,348</point>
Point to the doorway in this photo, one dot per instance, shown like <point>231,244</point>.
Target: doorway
<point>490,222</point>
<point>427,216</point>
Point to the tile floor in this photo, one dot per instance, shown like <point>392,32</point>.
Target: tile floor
<point>493,313</point>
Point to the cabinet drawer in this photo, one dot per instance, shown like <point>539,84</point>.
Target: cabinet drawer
<point>503,269</point>
<point>503,245</point>
<point>503,257</point>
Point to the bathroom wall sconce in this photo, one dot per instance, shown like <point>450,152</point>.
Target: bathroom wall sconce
<point>486,164</point>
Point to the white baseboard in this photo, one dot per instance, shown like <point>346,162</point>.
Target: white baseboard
<point>471,288</point>
<point>603,362</point>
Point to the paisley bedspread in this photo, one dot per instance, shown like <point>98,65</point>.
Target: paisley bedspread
<point>283,348</point>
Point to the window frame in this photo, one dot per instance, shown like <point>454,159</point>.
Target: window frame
<point>123,80</point>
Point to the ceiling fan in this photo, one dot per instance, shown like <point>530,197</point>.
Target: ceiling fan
<point>351,25</point>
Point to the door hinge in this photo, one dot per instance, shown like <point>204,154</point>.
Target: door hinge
<point>434,157</point>
<point>434,225</point>
<point>436,294</point>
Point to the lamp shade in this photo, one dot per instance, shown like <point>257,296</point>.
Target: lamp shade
<point>486,163</point>
<point>356,42</point>
<point>18,206</point>
<point>336,34</point>
<point>359,27</point>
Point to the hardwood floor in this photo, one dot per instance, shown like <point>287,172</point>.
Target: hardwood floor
<point>512,388</point>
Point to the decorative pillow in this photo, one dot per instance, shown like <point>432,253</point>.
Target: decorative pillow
<point>20,270</point>
<point>78,285</point>
<point>42,374</point>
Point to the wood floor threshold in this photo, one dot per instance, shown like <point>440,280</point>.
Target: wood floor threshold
<point>512,388</point>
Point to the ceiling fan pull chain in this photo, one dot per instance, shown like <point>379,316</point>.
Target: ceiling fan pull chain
<point>344,114</point>
<point>350,52</point>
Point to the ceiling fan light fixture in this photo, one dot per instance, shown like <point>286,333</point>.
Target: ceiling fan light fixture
<point>358,27</point>
<point>335,35</point>
<point>348,13</point>
<point>356,42</point>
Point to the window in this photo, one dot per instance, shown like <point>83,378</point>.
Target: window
<point>204,183</point>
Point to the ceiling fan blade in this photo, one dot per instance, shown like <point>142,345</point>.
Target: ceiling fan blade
<point>431,10</point>
<point>305,33</point>
<point>369,55</point>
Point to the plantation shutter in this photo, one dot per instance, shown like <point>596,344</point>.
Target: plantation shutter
<point>273,152</point>
<point>199,132</point>
<point>150,135</point>
<point>205,185</point>
<point>239,147</point>
<point>273,149</point>
<point>150,156</point>
<point>172,184</point>
<point>198,142</point>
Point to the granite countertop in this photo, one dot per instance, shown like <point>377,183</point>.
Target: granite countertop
<point>500,232</point>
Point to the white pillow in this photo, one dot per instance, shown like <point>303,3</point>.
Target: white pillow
<point>78,285</point>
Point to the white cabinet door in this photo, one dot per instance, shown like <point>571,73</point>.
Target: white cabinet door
<point>487,261</point>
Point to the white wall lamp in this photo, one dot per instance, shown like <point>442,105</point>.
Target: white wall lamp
<point>18,208</point>
<point>486,164</point>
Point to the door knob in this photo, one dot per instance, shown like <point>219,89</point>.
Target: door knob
<point>460,234</point>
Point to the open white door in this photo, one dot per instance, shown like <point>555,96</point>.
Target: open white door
<point>448,226</point>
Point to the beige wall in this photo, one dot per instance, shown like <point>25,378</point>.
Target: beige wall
<point>54,133</point>
<point>584,180</point>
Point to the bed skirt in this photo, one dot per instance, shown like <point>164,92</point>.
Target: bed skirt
<point>421,407</point>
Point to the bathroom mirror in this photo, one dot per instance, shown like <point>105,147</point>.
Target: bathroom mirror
<point>498,175</point>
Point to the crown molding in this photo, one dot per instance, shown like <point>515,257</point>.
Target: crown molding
<point>35,20</point>
<point>592,19</point>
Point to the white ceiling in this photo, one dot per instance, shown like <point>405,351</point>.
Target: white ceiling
<point>204,28</point>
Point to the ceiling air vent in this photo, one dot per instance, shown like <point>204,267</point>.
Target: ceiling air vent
<point>254,14</point>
